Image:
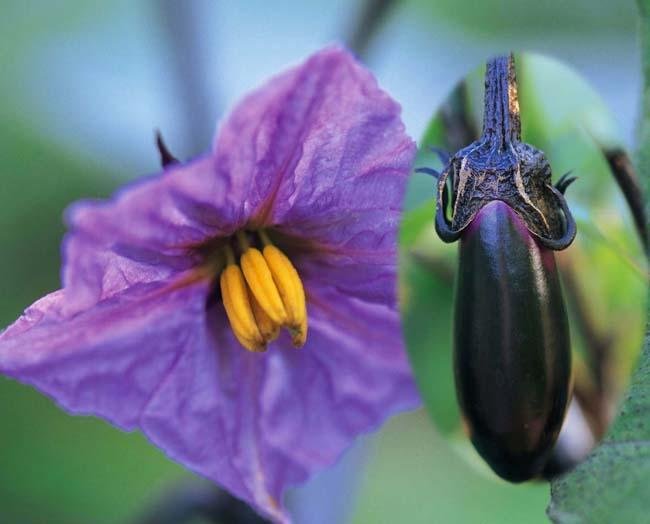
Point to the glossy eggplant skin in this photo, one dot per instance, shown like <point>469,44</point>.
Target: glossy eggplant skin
<point>512,359</point>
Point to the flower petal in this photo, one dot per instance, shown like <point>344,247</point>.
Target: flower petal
<point>206,414</point>
<point>149,358</point>
<point>145,232</point>
<point>184,205</point>
<point>318,146</point>
<point>367,273</point>
<point>259,424</point>
<point>109,360</point>
<point>351,375</point>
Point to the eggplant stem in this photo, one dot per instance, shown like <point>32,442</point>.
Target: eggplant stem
<point>501,118</point>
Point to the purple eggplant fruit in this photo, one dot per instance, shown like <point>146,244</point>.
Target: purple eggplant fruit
<point>512,357</point>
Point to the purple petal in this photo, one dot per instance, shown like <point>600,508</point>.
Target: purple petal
<point>323,155</point>
<point>351,375</point>
<point>259,424</point>
<point>145,232</point>
<point>254,424</point>
<point>206,414</point>
<point>109,360</point>
<point>320,150</point>
<point>149,358</point>
<point>365,272</point>
<point>184,205</point>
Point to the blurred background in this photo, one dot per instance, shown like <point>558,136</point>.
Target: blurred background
<point>83,86</point>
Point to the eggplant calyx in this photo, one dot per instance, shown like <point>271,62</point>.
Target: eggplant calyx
<point>499,166</point>
<point>444,227</point>
<point>558,244</point>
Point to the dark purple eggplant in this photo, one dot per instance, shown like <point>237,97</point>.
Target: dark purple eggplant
<point>512,357</point>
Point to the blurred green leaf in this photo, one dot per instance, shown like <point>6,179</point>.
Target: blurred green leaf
<point>61,469</point>
<point>416,477</point>
<point>612,484</point>
<point>486,19</point>
<point>32,213</point>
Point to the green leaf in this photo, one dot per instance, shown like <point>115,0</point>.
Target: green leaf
<point>613,484</point>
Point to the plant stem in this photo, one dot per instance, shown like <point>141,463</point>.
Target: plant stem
<point>460,129</point>
<point>599,346</point>
<point>373,14</point>
<point>501,119</point>
<point>178,19</point>
<point>628,181</point>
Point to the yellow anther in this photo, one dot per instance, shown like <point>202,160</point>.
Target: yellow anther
<point>269,329</point>
<point>291,290</point>
<point>238,308</point>
<point>260,281</point>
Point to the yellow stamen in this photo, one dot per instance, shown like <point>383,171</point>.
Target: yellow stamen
<point>291,291</point>
<point>259,279</point>
<point>269,329</point>
<point>238,307</point>
<point>261,294</point>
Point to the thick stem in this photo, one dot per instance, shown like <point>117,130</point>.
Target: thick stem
<point>501,120</point>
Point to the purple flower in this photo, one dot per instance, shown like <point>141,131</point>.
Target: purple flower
<point>291,222</point>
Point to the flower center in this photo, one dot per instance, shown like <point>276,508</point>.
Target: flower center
<point>262,293</point>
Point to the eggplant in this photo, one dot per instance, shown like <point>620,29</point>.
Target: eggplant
<point>512,355</point>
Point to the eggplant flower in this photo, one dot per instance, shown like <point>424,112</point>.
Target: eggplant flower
<point>186,296</point>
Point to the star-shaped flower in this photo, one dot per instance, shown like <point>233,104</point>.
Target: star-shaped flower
<point>186,295</point>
